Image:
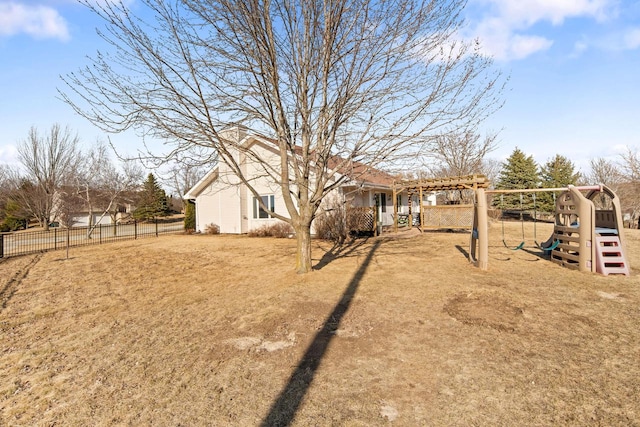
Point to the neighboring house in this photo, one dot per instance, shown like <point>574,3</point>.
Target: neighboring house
<point>221,199</point>
<point>75,211</point>
<point>81,218</point>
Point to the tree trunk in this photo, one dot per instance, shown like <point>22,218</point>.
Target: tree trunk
<point>303,256</point>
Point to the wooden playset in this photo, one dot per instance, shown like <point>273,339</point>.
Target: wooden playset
<point>585,237</point>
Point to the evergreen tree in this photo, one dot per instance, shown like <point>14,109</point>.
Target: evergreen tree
<point>518,172</point>
<point>13,217</point>
<point>189,215</point>
<point>558,172</point>
<point>152,200</point>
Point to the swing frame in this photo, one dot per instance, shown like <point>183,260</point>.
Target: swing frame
<point>479,246</point>
<point>556,242</point>
<point>504,242</point>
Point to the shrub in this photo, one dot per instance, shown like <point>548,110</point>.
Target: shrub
<point>212,229</point>
<point>278,229</point>
<point>331,225</point>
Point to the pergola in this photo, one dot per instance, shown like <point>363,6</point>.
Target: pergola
<point>421,186</point>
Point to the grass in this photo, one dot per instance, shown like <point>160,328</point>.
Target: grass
<point>219,330</point>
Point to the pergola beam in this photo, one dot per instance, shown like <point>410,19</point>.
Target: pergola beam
<point>468,182</point>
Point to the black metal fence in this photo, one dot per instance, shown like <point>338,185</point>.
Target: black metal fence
<point>26,242</point>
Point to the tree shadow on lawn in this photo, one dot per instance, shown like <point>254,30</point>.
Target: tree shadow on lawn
<point>339,251</point>
<point>283,410</point>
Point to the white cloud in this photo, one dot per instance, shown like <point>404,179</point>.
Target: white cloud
<point>504,26</point>
<point>502,42</point>
<point>37,21</point>
<point>580,47</point>
<point>528,12</point>
<point>8,154</point>
<point>621,40</point>
<point>523,46</point>
<point>631,39</point>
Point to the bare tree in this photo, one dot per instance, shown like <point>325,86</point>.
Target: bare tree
<point>335,84</point>
<point>26,193</point>
<point>183,174</point>
<point>630,165</point>
<point>68,204</point>
<point>603,171</point>
<point>104,186</point>
<point>629,189</point>
<point>5,183</point>
<point>459,154</point>
<point>5,190</point>
<point>491,168</point>
<point>122,182</point>
<point>49,160</point>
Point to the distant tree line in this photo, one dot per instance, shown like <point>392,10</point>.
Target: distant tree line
<point>465,153</point>
<point>56,181</point>
<point>520,171</point>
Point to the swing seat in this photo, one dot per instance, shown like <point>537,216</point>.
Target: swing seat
<point>547,250</point>
<point>520,246</point>
<point>548,245</point>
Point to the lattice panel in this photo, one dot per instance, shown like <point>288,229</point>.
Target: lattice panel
<point>360,219</point>
<point>457,216</point>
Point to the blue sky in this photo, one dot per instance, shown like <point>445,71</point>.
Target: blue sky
<point>574,68</point>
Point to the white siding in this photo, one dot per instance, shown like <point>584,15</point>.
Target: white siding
<point>265,186</point>
<point>219,203</point>
<point>229,204</point>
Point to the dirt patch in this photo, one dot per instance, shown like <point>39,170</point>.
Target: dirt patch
<point>485,310</point>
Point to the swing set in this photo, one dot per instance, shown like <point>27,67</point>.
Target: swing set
<point>548,245</point>
<point>584,237</point>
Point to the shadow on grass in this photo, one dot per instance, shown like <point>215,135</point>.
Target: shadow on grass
<point>10,288</point>
<point>463,251</point>
<point>339,251</point>
<point>538,253</point>
<point>283,410</point>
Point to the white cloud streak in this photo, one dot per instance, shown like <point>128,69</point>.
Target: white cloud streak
<point>37,21</point>
<point>631,39</point>
<point>505,30</point>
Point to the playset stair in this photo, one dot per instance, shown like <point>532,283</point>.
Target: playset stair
<point>609,256</point>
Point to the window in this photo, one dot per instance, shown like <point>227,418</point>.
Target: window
<point>383,202</point>
<point>258,212</point>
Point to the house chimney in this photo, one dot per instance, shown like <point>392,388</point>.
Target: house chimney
<point>235,132</point>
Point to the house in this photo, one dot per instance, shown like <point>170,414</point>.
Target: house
<point>74,211</point>
<point>221,199</point>
<point>82,218</point>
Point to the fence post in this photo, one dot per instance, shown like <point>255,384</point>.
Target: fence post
<point>1,245</point>
<point>100,232</point>
<point>68,240</point>
<point>135,229</point>
<point>156,226</point>
<point>55,239</point>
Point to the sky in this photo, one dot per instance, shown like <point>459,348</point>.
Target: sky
<point>573,69</point>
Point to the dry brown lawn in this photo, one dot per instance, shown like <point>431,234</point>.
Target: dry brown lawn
<point>219,330</point>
